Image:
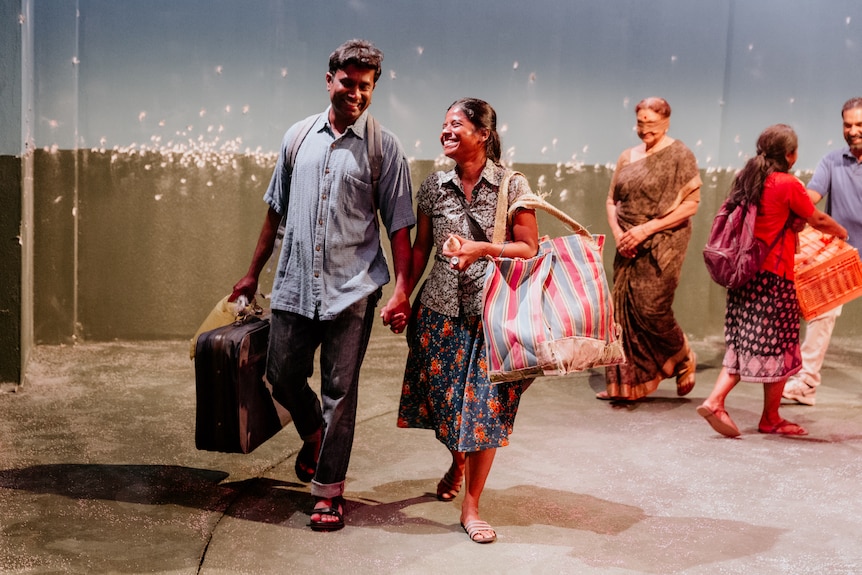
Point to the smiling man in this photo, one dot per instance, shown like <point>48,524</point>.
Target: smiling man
<point>331,267</point>
<point>838,178</point>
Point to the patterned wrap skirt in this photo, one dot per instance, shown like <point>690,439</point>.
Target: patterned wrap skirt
<point>446,386</point>
<point>761,330</point>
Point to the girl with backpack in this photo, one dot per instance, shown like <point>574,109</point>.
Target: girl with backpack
<point>761,326</point>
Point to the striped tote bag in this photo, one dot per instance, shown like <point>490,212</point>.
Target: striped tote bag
<point>551,314</point>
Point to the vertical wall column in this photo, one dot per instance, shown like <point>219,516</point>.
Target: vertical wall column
<point>16,189</point>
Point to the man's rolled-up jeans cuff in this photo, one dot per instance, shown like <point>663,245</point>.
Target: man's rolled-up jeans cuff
<point>327,491</point>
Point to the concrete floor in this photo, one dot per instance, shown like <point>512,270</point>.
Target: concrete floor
<point>99,474</point>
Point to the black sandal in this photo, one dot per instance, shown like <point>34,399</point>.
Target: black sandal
<point>332,511</point>
<point>306,462</point>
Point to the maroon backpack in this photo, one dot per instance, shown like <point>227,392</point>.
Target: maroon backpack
<point>733,255</point>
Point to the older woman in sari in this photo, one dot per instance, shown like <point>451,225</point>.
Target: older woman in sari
<point>654,193</point>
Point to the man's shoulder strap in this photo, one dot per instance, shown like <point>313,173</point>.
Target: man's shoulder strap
<point>374,141</point>
<point>293,148</point>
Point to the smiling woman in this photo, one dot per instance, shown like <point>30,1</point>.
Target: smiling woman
<point>446,386</point>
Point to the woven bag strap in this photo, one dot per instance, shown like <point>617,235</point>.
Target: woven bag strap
<point>534,202</point>
<point>529,202</point>
<point>501,220</point>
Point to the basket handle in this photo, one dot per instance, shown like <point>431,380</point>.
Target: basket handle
<point>534,202</point>
<point>830,243</point>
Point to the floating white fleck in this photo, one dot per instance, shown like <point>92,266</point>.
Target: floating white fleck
<point>158,197</point>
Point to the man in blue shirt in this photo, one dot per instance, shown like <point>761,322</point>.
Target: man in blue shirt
<point>838,178</point>
<point>331,267</point>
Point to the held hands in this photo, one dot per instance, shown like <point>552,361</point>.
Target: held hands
<point>629,241</point>
<point>396,313</point>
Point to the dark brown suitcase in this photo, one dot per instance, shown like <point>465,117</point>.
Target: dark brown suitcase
<point>235,408</point>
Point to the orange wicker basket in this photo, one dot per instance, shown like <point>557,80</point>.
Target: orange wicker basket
<point>828,272</point>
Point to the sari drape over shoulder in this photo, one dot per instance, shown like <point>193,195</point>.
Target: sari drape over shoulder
<point>644,286</point>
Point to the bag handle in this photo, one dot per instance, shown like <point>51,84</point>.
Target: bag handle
<point>501,220</point>
<point>534,202</point>
<point>529,202</point>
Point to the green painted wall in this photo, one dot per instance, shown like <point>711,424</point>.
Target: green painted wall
<point>160,240</point>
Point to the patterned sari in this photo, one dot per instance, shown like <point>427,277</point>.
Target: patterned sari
<point>644,286</point>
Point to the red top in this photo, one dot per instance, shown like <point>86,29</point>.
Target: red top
<point>782,194</point>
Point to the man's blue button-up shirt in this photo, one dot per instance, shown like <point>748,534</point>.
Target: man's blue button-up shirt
<point>331,256</point>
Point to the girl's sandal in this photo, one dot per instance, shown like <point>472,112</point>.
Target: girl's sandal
<point>479,531</point>
<point>449,486</point>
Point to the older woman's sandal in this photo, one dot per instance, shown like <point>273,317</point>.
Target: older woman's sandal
<point>685,376</point>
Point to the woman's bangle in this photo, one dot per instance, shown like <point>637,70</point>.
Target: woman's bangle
<point>502,250</point>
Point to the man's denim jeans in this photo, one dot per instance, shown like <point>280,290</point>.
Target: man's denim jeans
<point>293,341</point>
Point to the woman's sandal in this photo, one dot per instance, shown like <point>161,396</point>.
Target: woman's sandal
<point>476,528</point>
<point>719,420</point>
<point>306,461</point>
<point>336,509</point>
<point>784,427</point>
<point>449,486</point>
<point>685,378</point>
